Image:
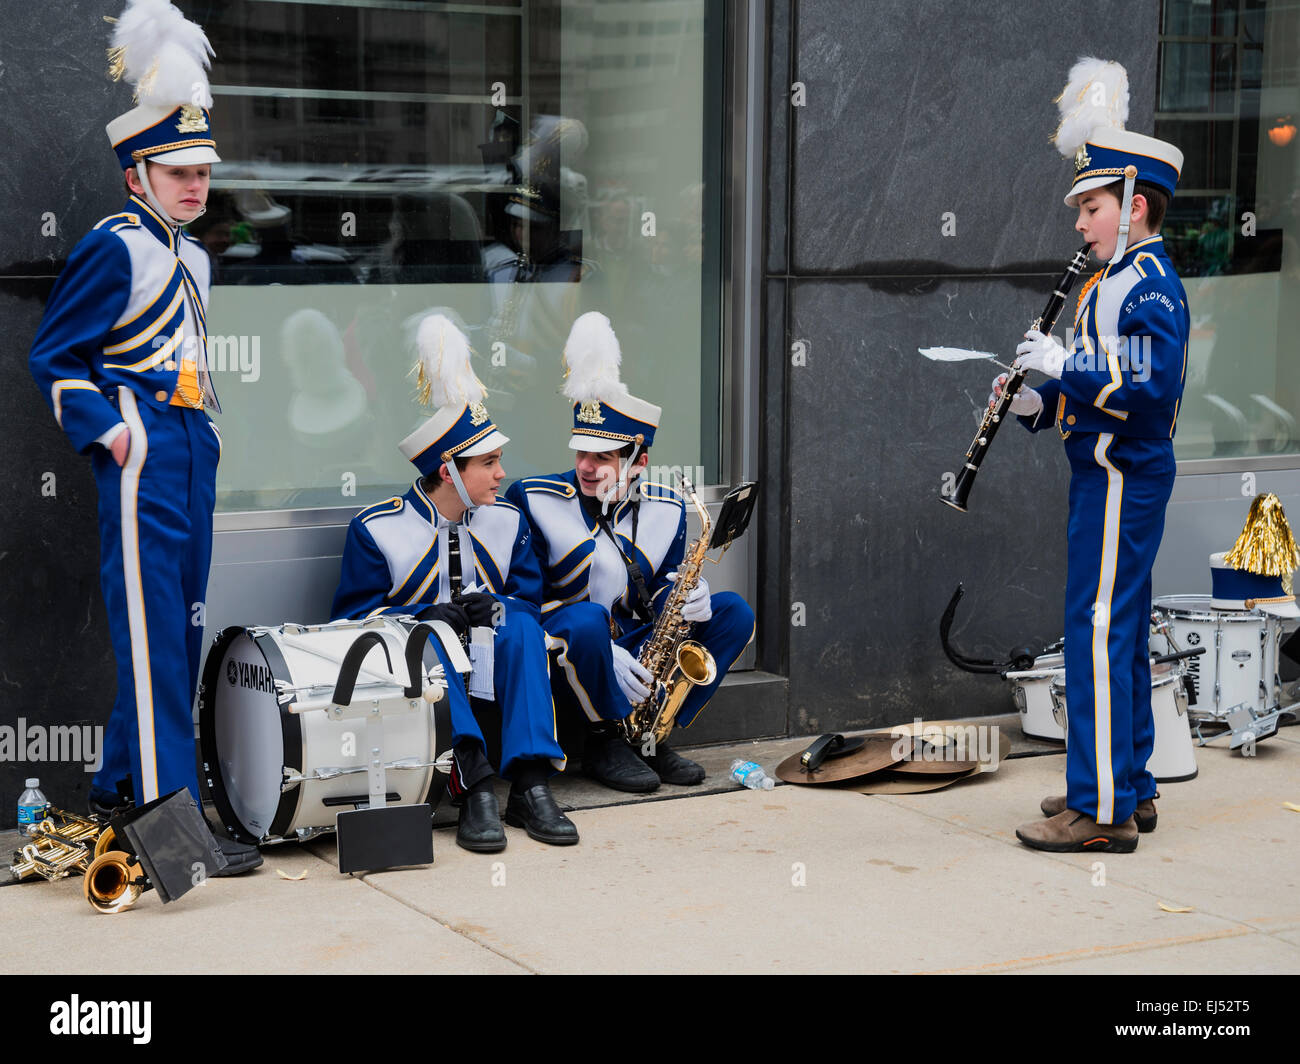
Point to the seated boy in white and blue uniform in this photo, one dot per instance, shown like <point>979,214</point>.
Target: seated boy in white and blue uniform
<point>609,547</point>
<point>1114,397</point>
<point>449,550</point>
<point>120,356</point>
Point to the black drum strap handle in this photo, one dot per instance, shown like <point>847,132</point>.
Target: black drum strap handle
<point>352,665</point>
<point>415,644</point>
<point>415,657</point>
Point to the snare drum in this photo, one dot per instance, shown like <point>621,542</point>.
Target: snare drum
<point>1173,757</point>
<point>1240,662</point>
<point>278,761</point>
<point>1031,690</point>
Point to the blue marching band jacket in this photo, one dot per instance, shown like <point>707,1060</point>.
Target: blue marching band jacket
<point>125,310</point>
<point>579,561</point>
<point>1124,372</point>
<point>392,560</point>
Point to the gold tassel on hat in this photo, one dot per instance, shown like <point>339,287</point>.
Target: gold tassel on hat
<point>1266,546</point>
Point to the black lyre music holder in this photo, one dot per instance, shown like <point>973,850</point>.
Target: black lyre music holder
<point>733,518</point>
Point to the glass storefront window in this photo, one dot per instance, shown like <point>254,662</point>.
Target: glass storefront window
<point>1229,97</point>
<point>511,164</point>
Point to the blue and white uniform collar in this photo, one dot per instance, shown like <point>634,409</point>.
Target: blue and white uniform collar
<point>152,221</point>
<point>420,502</point>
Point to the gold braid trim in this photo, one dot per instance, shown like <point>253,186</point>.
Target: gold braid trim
<point>451,452</point>
<point>141,154</point>
<point>638,438</point>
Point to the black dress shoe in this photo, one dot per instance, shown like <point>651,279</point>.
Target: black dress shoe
<point>535,811</point>
<point>479,827</point>
<point>606,757</point>
<point>240,857</point>
<point>671,767</point>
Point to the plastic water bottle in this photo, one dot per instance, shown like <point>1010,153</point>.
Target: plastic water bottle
<point>32,805</point>
<point>751,775</point>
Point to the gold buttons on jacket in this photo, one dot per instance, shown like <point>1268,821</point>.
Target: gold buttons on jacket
<point>161,396</point>
<point>1070,420</point>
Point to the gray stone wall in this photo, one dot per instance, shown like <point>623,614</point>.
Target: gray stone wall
<point>913,111</point>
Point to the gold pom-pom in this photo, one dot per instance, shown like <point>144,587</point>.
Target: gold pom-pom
<point>1266,546</point>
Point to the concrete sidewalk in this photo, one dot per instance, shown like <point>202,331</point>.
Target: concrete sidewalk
<point>790,880</point>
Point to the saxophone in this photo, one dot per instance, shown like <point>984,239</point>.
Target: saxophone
<point>675,662</point>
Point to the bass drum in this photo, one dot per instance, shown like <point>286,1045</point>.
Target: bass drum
<point>277,770</point>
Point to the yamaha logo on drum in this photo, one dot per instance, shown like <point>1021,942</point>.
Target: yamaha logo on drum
<point>246,674</point>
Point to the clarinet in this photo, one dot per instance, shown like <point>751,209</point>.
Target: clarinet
<point>993,417</point>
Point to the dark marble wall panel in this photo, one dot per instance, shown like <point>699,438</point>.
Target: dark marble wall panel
<point>57,98</point>
<point>778,132</point>
<point>873,554</point>
<point>56,661</point>
<point>920,107</point>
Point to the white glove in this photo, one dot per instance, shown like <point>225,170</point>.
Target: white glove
<point>631,675</point>
<point>1042,353</point>
<point>697,606</point>
<point>1025,403</point>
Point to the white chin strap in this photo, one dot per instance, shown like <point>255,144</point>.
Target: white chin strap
<point>1125,207</point>
<point>460,487</point>
<point>142,169</point>
<point>620,487</point>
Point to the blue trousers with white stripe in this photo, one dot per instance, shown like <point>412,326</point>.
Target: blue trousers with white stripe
<point>583,673</point>
<point>522,683</point>
<point>586,673</point>
<point>1119,487</point>
<point>155,525</point>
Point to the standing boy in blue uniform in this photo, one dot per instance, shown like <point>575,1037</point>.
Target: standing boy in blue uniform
<point>121,358</point>
<point>609,548</point>
<point>428,553</point>
<point>1114,397</point>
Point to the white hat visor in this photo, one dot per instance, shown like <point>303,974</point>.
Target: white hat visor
<point>486,445</point>
<point>186,156</point>
<point>596,444</point>
<point>1093,183</point>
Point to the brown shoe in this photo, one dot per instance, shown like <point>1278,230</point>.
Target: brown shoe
<point>1071,832</point>
<point>1144,814</point>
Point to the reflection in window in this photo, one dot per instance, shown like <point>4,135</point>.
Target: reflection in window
<point>1227,95</point>
<point>510,164</point>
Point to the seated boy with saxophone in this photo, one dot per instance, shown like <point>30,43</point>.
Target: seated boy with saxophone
<point>610,548</point>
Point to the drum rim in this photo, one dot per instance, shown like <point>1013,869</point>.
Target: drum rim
<point>1208,614</point>
<point>1037,674</point>
<point>290,730</point>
